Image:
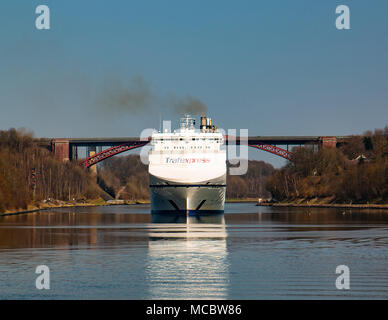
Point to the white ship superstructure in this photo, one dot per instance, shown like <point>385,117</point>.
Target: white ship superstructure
<point>187,169</point>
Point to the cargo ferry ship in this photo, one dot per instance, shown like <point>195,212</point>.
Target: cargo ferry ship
<point>187,169</point>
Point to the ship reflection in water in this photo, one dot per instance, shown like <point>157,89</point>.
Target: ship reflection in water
<point>187,257</point>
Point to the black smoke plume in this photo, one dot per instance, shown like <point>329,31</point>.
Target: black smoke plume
<point>190,105</point>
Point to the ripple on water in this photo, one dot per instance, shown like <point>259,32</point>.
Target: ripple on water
<point>250,253</point>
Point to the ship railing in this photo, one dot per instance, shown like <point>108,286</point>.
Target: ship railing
<point>186,151</point>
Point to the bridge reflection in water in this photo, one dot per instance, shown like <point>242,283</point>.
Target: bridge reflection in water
<point>187,257</point>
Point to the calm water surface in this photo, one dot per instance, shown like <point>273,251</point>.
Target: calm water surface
<point>122,252</point>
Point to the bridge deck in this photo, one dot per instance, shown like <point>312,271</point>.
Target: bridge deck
<point>115,141</point>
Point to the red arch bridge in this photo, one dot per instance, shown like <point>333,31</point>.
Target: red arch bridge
<point>67,148</point>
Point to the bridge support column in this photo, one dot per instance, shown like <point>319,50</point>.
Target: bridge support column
<point>92,169</point>
<point>329,142</point>
<point>60,147</point>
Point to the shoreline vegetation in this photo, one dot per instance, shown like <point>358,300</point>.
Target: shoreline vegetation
<point>354,172</point>
<point>353,175</point>
<point>95,203</point>
<point>63,204</point>
<point>100,203</point>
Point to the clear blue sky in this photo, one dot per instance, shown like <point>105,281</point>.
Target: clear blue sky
<point>274,67</point>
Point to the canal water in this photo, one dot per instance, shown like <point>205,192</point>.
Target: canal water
<point>250,252</point>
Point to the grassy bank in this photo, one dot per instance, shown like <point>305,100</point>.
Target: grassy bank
<point>327,202</point>
<point>53,205</point>
<point>326,205</point>
<point>237,200</point>
<point>67,204</point>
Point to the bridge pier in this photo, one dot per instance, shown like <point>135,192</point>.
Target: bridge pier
<point>91,152</point>
<point>60,148</point>
<point>328,142</point>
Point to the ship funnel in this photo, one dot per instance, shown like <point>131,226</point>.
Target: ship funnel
<point>206,125</point>
<point>203,124</point>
